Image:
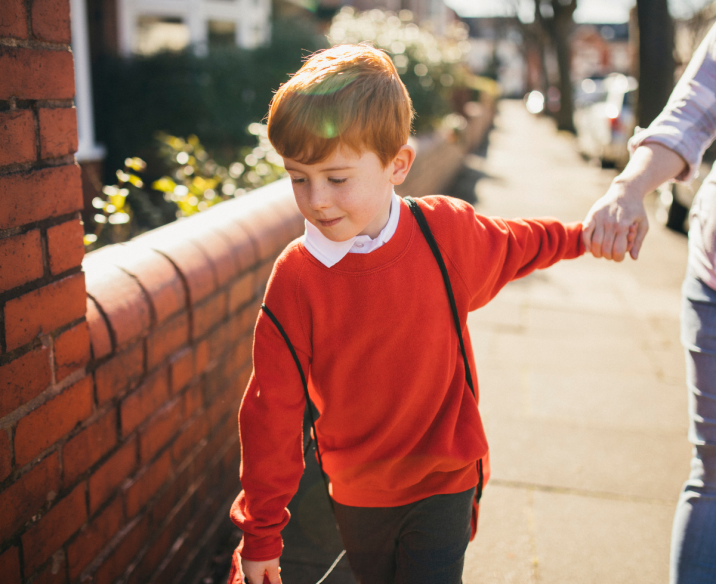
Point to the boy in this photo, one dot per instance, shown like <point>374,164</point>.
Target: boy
<point>364,304</point>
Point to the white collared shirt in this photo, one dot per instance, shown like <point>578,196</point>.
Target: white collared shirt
<point>330,252</point>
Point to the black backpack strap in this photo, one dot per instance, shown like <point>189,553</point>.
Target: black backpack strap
<point>309,403</point>
<point>425,228</point>
<point>422,222</point>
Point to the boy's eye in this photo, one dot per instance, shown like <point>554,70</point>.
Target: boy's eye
<point>297,180</point>
<point>337,181</point>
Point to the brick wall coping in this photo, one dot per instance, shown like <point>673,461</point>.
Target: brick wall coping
<point>137,286</point>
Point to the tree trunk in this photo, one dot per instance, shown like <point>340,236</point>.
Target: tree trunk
<point>656,58</point>
<point>563,24</point>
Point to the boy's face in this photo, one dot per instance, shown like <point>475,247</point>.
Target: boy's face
<point>348,194</point>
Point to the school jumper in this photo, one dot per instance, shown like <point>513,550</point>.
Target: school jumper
<point>374,332</point>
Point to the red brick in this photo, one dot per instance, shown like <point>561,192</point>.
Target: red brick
<point>167,339</point>
<point>42,311</point>
<point>146,485</point>
<point>187,257</point>
<point>154,556</point>
<point>201,357</point>
<point>262,275</point>
<point>20,259</point>
<point>72,350</point>
<point>26,496</point>
<point>181,369</point>
<point>65,246</point>
<point>23,379</point>
<point>243,250</point>
<point>10,566</point>
<point>58,130</point>
<point>134,538</point>
<point>120,373</point>
<point>241,292</point>
<point>189,437</point>
<point>55,572</point>
<point>51,20</point>
<point>13,19</point>
<point>36,74</point>
<point>111,474</point>
<point>5,456</point>
<point>159,431</point>
<point>193,401</point>
<point>89,446</point>
<point>217,249</point>
<point>42,427</point>
<point>209,313</point>
<point>157,275</point>
<point>58,524</point>
<point>148,398</point>
<point>31,196</point>
<point>93,537</point>
<point>264,225</point>
<point>120,298</point>
<point>18,143</point>
<point>100,340</point>
<point>243,352</point>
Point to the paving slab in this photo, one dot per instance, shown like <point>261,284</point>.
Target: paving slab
<point>581,386</point>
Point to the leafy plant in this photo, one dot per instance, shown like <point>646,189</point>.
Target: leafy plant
<point>193,183</point>
<point>196,182</point>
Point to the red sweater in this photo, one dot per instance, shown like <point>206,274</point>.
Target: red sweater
<point>375,334</point>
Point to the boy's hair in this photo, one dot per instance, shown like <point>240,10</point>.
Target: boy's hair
<point>348,95</point>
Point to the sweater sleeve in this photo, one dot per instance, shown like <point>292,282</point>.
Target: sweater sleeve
<point>489,252</point>
<point>271,431</point>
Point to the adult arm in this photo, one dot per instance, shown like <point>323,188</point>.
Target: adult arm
<point>609,221</point>
<point>670,148</point>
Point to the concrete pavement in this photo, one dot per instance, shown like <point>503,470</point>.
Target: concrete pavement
<point>581,386</point>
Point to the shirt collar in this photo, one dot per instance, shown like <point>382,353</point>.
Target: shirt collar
<point>329,253</point>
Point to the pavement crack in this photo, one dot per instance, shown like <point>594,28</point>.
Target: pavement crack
<point>581,492</point>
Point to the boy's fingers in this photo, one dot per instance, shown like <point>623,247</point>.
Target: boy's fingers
<point>642,229</point>
<point>597,238</point>
<point>272,576</point>
<point>587,231</point>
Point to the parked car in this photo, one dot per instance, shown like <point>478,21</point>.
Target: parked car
<point>604,126</point>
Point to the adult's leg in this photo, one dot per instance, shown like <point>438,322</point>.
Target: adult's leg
<point>693,542</point>
<point>423,542</point>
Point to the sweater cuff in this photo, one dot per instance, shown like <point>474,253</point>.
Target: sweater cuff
<point>576,249</point>
<point>259,549</point>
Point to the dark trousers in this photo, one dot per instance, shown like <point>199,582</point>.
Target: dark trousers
<point>420,543</point>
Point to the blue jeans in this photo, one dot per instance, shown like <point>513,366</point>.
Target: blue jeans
<point>693,541</point>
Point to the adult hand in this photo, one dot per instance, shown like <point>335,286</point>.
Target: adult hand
<point>616,223</point>
<point>261,572</point>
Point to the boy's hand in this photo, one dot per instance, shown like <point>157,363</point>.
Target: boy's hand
<point>267,571</point>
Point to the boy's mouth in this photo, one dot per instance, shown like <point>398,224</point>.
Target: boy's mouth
<point>329,222</point>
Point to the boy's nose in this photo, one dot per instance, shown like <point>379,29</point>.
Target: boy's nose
<point>319,198</point>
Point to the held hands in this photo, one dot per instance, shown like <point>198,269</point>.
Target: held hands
<point>264,572</point>
<point>616,224</point>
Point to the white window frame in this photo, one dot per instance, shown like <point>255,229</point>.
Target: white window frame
<point>251,18</point>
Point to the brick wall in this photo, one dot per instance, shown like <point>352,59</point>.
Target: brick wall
<point>119,384</point>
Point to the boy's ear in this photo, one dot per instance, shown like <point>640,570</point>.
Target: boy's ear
<point>401,164</point>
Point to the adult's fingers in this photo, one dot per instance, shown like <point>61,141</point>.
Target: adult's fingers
<point>608,243</point>
<point>641,232</point>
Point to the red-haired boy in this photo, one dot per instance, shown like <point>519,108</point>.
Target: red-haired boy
<point>364,304</point>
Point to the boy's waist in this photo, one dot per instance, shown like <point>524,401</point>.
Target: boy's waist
<point>436,483</point>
